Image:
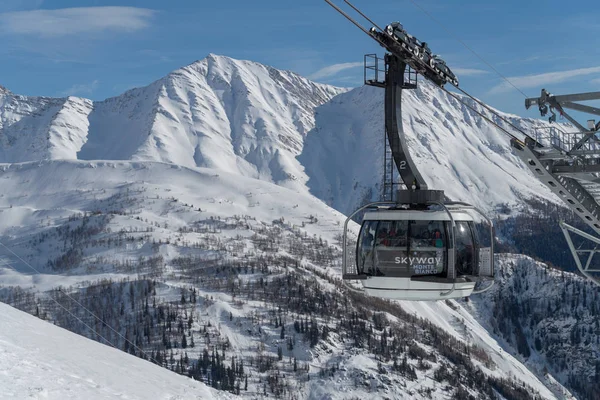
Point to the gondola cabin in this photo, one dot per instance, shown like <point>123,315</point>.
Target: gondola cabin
<point>422,254</point>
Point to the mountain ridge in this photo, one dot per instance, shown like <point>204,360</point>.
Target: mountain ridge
<point>247,118</point>
<point>236,116</point>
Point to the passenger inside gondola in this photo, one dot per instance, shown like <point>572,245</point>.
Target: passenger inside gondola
<point>437,240</point>
<point>383,237</point>
<point>427,248</point>
<point>420,236</point>
<point>365,261</point>
<point>399,239</point>
<point>464,249</point>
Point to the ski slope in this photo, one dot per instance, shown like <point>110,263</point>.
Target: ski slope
<point>41,361</point>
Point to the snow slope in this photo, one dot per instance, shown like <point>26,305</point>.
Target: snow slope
<point>40,197</point>
<point>41,361</point>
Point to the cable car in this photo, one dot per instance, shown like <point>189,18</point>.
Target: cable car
<point>425,253</point>
<point>420,246</point>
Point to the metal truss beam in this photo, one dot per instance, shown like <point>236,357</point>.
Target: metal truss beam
<point>586,269</point>
<point>585,152</point>
<point>548,97</point>
<point>566,170</point>
<point>576,96</point>
<point>573,193</point>
<point>558,155</point>
<point>580,107</point>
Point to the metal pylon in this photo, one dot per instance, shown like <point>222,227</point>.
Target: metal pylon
<point>394,75</point>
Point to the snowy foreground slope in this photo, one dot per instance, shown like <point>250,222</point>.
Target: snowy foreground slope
<point>41,361</point>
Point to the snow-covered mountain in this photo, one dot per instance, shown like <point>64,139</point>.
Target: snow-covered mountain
<point>246,118</point>
<point>37,128</point>
<point>42,361</point>
<point>236,116</point>
<point>185,211</point>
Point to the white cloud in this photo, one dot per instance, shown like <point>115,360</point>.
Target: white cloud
<point>595,81</point>
<point>469,71</point>
<point>74,21</point>
<point>333,70</point>
<point>81,89</point>
<point>536,81</point>
<point>15,5</point>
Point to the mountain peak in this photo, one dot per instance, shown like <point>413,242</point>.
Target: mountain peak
<point>4,90</point>
<point>223,65</point>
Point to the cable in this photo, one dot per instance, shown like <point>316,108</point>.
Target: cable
<point>85,308</point>
<point>481,114</point>
<point>466,46</point>
<point>70,313</point>
<point>490,109</point>
<point>489,65</point>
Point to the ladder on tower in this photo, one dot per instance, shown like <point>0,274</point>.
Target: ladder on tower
<point>375,72</point>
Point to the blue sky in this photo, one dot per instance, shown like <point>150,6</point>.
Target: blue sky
<point>100,48</point>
